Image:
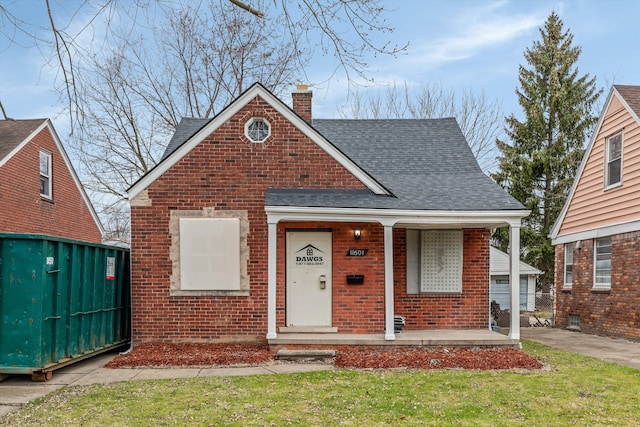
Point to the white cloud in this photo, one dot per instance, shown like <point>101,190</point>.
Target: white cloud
<point>471,32</point>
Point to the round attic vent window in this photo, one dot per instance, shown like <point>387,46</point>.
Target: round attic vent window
<point>257,129</point>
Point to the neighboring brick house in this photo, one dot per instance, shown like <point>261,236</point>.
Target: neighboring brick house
<point>40,192</point>
<point>263,222</point>
<point>597,235</point>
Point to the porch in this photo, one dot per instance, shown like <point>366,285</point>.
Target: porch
<point>416,338</point>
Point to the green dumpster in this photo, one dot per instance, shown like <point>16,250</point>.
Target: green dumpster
<point>61,301</point>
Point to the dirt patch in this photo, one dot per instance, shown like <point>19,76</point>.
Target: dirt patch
<point>183,355</point>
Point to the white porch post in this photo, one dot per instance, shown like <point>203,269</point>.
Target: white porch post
<point>271,288</point>
<point>389,333</point>
<point>514,280</point>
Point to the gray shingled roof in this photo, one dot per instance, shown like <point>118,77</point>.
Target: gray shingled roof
<point>185,130</point>
<point>426,164</point>
<point>13,132</point>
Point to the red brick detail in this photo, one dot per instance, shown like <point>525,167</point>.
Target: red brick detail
<point>614,313</point>
<point>302,103</point>
<point>23,210</point>
<point>228,174</point>
<point>467,310</point>
<point>225,173</point>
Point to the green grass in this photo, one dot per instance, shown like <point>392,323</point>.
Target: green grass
<point>575,390</point>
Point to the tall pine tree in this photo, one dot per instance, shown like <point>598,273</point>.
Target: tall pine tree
<point>539,165</point>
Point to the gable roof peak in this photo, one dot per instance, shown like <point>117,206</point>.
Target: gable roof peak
<point>631,95</point>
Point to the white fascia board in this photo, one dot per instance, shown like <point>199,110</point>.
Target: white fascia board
<point>556,226</point>
<point>23,143</point>
<point>597,233</point>
<point>391,217</point>
<point>228,113</point>
<point>76,180</point>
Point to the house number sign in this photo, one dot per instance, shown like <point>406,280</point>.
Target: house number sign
<point>357,252</point>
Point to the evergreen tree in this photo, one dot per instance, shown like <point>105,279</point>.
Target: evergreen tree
<point>539,166</point>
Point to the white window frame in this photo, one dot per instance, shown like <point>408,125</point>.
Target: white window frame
<point>568,262</point>
<point>441,261</point>
<point>602,264</point>
<point>46,175</point>
<point>610,161</point>
<point>248,131</point>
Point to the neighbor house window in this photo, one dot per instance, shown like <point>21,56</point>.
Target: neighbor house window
<point>613,173</point>
<point>602,263</point>
<point>209,254</point>
<point>441,261</point>
<point>257,129</point>
<point>568,265</point>
<point>45,174</point>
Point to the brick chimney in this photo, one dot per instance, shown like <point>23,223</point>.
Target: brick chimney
<point>302,101</point>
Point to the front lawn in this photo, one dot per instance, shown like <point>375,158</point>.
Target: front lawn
<point>575,390</point>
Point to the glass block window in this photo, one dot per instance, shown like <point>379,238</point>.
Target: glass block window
<point>613,173</point>
<point>602,262</point>
<point>257,130</point>
<point>574,321</point>
<point>441,261</point>
<point>45,174</point>
<point>568,265</point>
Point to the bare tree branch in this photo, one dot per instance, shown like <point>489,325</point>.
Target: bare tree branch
<point>479,117</point>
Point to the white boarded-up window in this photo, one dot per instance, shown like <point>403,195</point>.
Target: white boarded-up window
<point>209,253</point>
<point>441,263</point>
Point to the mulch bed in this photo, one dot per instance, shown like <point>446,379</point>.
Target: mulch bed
<point>186,355</point>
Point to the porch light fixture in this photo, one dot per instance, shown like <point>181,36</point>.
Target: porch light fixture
<point>356,233</point>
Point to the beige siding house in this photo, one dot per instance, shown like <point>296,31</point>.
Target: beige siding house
<point>597,235</point>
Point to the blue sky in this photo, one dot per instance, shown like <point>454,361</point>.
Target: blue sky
<point>460,44</point>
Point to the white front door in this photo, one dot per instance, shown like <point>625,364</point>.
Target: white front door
<point>309,278</point>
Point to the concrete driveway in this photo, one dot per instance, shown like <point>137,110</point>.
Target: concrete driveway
<point>623,352</point>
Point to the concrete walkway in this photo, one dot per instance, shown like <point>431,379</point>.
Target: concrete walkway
<point>623,352</point>
<point>17,390</point>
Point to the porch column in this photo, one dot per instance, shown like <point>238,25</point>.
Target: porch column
<point>271,288</point>
<point>389,332</point>
<point>514,280</point>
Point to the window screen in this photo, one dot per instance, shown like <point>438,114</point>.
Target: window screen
<point>45,174</point>
<point>568,265</point>
<point>614,160</point>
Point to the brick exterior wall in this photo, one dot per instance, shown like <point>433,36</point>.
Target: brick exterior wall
<point>24,211</point>
<point>468,310</point>
<point>613,313</point>
<point>225,172</point>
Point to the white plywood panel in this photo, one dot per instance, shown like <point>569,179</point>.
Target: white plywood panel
<point>210,253</point>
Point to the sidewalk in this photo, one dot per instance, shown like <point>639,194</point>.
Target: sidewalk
<point>17,390</point>
<point>623,352</point>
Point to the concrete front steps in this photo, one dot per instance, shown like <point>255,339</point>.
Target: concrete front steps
<point>305,355</point>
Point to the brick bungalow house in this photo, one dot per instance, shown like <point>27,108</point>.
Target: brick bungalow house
<point>50,202</point>
<point>597,235</point>
<point>264,222</point>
